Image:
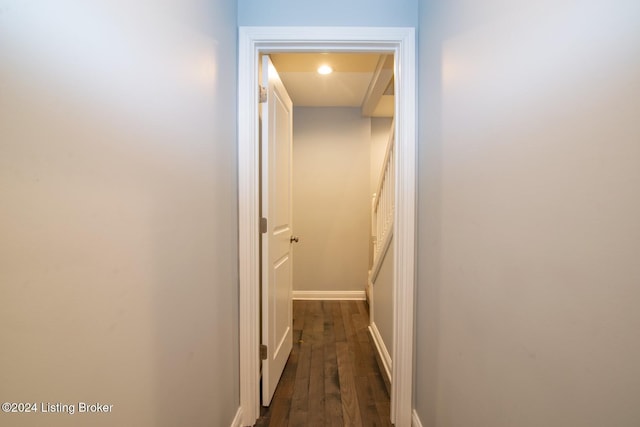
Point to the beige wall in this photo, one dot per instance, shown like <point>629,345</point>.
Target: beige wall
<point>529,214</point>
<point>331,200</point>
<point>118,265</point>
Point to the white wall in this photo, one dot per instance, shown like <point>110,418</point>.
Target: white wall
<point>331,204</point>
<point>529,215</point>
<point>118,265</point>
<point>390,13</point>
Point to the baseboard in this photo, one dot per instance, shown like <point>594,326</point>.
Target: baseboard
<point>415,420</point>
<point>383,355</point>
<point>237,420</point>
<point>330,295</point>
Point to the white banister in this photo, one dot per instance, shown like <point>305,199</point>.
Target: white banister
<point>384,200</point>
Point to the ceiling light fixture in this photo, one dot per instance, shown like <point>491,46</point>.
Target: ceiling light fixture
<point>325,69</point>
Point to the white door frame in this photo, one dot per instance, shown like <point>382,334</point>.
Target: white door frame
<point>400,42</point>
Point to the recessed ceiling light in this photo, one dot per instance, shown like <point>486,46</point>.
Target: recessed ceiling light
<point>325,69</point>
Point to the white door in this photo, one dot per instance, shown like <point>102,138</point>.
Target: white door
<point>277,323</point>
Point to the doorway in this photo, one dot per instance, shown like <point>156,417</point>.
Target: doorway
<point>399,42</point>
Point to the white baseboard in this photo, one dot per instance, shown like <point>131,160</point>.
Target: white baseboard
<point>415,420</point>
<point>330,295</point>
<point>382,349</point>
<point>237,420</point>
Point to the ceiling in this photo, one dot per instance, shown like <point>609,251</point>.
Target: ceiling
<point>352,83</point>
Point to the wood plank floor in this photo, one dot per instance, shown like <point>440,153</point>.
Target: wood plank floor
<point>331,377</point>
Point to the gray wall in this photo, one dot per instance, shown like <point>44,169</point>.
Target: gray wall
<point>529,214</point>
<point>331,201</point>
<point>389,13</point>
<point>118,265</point>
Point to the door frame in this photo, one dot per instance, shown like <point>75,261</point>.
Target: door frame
<point>401,42</point>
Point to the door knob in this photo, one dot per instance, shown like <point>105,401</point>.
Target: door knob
<point>293,239</point>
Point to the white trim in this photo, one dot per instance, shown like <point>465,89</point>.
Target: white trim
<point>237,420</point>
<point>330,295</point>
<point>377,264</point>
<point>387,363</point>
<point>400,42</point>
<point>415,420</point>
<point>404,231</point>
<point>248,233</point>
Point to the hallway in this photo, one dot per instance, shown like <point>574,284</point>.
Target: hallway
<point>331,377</point>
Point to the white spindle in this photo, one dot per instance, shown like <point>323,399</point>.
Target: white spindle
<point>384,199</point>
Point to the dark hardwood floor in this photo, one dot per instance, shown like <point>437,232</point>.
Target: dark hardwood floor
<point>331,378</point>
